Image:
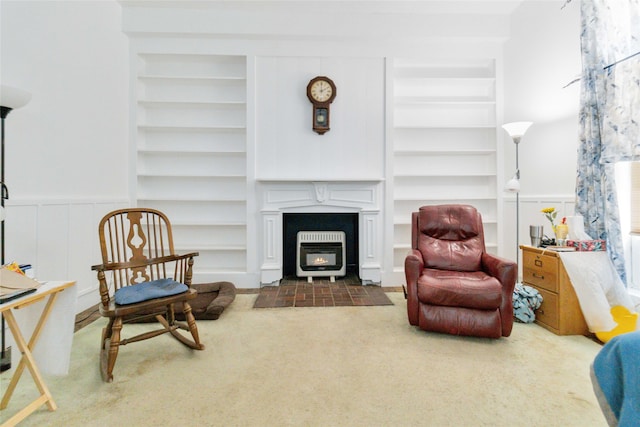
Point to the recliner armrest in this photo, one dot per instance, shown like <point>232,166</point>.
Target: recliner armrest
<point>413,266</point>
<point>506,272</point>
<point>502,269</point>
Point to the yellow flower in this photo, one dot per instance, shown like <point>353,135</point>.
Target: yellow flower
<point>551,215</point>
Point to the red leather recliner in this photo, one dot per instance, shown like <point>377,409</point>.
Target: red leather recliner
<point>453,285</point>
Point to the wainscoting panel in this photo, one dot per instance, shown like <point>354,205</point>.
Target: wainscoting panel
<point>59,239</point>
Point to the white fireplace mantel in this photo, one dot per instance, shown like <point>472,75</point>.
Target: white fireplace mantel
<point>287,196</point>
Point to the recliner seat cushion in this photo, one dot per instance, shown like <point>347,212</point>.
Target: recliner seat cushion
<point>475,290</point>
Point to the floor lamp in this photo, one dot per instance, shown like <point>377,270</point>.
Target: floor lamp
<point>516,131</point>
<point>10,99</point>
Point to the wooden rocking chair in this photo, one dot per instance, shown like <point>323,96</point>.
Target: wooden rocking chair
<point>147,279</point>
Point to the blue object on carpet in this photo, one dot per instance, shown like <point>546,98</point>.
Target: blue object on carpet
<point>617,371</point>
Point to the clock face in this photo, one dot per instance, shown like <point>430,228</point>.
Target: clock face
<point>321,91</point>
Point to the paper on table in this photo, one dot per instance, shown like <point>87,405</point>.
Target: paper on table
<point>10,281</point>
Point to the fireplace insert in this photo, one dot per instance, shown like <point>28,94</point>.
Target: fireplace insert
<point>320,254</point>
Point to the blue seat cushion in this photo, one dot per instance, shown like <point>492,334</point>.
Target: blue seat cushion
<point>149,290</point>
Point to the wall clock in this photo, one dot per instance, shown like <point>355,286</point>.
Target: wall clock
<point>321,91</point>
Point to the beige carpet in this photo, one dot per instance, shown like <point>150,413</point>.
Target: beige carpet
<point>334,366</point>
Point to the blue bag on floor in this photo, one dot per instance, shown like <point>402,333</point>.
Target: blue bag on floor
<point>526,300</point>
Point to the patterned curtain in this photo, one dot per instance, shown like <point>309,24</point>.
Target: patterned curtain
<point>609,116</point>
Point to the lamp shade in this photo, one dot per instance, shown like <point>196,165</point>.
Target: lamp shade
<point>516,129</point>
<point>512,186</point>
<point>12,97</point>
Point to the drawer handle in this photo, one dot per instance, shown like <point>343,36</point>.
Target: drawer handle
<point>538,263</point>
<point>538,276</point>
<point>540,311</point>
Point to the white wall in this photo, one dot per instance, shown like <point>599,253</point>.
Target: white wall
<point>541,57</point>
<point>72,136</point>
<point>286,145</point>
<point>67,150</point>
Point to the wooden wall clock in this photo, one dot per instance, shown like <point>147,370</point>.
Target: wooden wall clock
<point>321,91</point>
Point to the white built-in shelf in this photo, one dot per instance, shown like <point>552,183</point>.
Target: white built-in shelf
<point>448,126</point>
<point>187,103</point>
<point>207,223</point>
<point>190,151</point>
<point>192,158</point>
<point>188,175</point>
<point>205,273</point>
<point>317,179</point>
<point>437,152</point>
<point>202,223</point>
<point>187,128</point>
<point>187,198</point>
<point>436,78</point>
<point>193,78</point>
<point>211,248</point>
<point>462,69</point>
<point>444,139</point>
<point>442,72</point>
<point>445,175</point>
<point>454,101</point>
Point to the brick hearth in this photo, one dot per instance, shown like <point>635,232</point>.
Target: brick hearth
<point>322,293</point>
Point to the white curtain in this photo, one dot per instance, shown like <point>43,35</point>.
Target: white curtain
<point>609,116</point>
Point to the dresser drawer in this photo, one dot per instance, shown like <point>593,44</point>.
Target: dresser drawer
<point>541,262</point>
<point>548,313</point>
<point>540,279</point>
<point>541,271</point>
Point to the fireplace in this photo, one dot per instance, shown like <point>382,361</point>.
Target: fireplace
<point>295,223</point>
<point>361,200</point>
<point>320,254</point>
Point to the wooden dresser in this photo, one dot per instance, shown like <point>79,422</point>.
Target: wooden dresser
<point>560,311</point>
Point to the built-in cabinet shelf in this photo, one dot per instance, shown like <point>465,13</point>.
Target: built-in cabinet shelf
<point>191,154</point>
<point>444,142</point>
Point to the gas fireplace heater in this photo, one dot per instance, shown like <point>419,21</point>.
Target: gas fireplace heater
<point>320,254</point>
